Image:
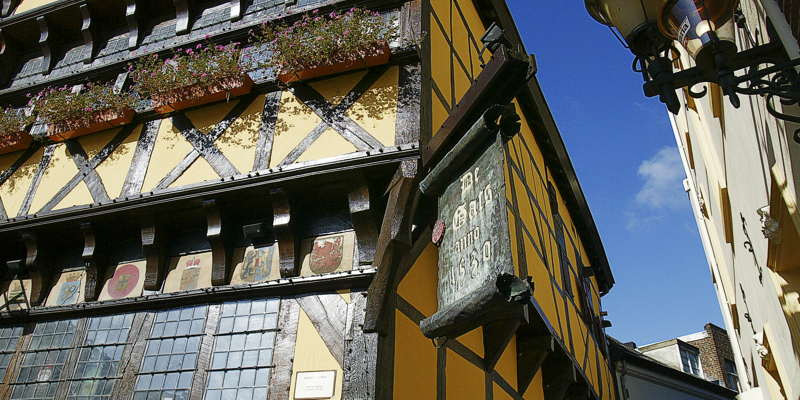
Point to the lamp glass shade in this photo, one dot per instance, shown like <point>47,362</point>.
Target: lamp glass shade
<point>691,22</point>
<point>625,15</point>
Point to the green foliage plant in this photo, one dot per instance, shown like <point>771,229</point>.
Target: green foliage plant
<point>13,121</point>
<point>63,105</point>
<point>317,39</point>
<point>188,69</point>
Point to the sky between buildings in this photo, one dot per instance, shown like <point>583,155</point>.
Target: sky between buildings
<point>623,149</point>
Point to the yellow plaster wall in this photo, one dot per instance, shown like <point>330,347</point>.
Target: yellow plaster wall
<point>376,110</point>
<point>80,195</point>
<point>170,148</point>
<point>419,286</point>
<point>415,362</point>
<point>31,4</point>
<point>507,366</point>
<point>199,171</point>
<point>14,189</point>
<point>473,340</point>
<point>329,144</point>
<point>311,354</point>
<point>114,169</point>
<point>464,380</point>
<point>7,294</point>
<point>206,118</point>
<point>295,122</point>
<point>58,173</point>
<point>239,142</point>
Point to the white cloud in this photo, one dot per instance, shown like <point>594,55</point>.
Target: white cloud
<point>663,186</point>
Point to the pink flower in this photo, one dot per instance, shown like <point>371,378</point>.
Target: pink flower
<point>199,46</point>
<point>316,10</point>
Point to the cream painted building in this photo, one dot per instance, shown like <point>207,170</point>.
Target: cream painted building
<point>742,167</point>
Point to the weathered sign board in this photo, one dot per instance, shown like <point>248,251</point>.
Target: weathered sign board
<point>476,246</point>
<point>477,281</point>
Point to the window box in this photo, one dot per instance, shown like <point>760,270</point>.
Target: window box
<point>100,121</point>
<point>198,95</point>
<point>11,142</point>
<point>376,54</point>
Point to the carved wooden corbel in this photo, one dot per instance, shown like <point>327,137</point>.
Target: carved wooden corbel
<point>221,252</point>
<point>37,266</point>
<point>531,353</point>
<point>283,227</point>
<point>134,34</point>
<point>183,16</point>
<point>496,337</point>
<point>154,247</point>
<point>558,374</point>
<point>8,8</point>
<point>48,43</point>
<point>236,10</point>
<point>9,57</point>
<point>363,219</point>
<point>90,34</point>
<point>94,262</point>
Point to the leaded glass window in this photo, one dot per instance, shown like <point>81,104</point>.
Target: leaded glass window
<point>9,337</point>
<point>44,360</point>
<point>242,359</point>
<point>171,354</point>
<point>97,368</point>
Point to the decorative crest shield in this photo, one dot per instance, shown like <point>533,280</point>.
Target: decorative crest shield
<point>326,254</point>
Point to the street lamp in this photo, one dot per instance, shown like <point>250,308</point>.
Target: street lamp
<point>706,29</point>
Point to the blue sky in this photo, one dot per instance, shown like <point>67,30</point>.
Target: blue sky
<point>624,152</point>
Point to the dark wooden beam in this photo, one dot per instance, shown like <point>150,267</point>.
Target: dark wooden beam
<point>48,44</point>
<point>94,261</point>
<point>8,7</point>
<point>283,227</point>
<point>496,337</point>
<point>37,266</point>
<point>154,247</point>
<point>134,34</point>
<point>283,353</point>
<point>363,218</point>
<point>10,53</point>
<point>90,32</point>
<point>183,16</point>
<point>394,242</point>
<point>531,353</point>
<point>558,373</point>
<point>221,251</point>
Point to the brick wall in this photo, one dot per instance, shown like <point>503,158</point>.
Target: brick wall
<point>715,348</point>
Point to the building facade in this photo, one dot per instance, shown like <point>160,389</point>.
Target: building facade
<point>277,244</point>
<point>742,170</point>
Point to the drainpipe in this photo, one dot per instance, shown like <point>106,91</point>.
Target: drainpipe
<point>722,298</point>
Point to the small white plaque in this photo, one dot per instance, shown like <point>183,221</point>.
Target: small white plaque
<point>314,385</point>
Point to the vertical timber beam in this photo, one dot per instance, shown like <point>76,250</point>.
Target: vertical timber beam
<point>531,353</point>
<point>558,373</point>
<point>394,243</point>
<point>36,264</point>
<point>90,34</point>
<point>283,227</point>
<point>94,262</point>
<point>496,337</point>
<point>154,247</point>
<point>9,57</point>
<point>221,252</point>
<point>48,44</point>
<point>134,34</point>
<point>363,220</point>
<point>183,16</point>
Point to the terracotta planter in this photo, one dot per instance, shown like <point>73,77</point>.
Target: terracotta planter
<point>377,54</point>
<point>199,95</point>
<point>101,121</point>
<point>11,142</point>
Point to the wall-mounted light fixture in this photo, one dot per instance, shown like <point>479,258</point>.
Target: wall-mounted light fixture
<point>706,29</point>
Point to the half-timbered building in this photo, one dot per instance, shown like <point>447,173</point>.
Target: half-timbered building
<point>410,230</point>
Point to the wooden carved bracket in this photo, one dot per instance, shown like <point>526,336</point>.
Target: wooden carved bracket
<point>531,353</point>
<point>236,10</point>
<point>394,243</point>
<point>134,34</point>
<point>183,15</point>
<point>8,7</point>
<point>9,57</point>
<point>90,30</point>
<point>36,264</point>
<point>363,219</point>
<point>94,261</point>
<point>497,335</point>
<point>48,43</point>
<point>283,227</point>
<point>154,247</point>
<point>558,374</point>
<point>221,251</point>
